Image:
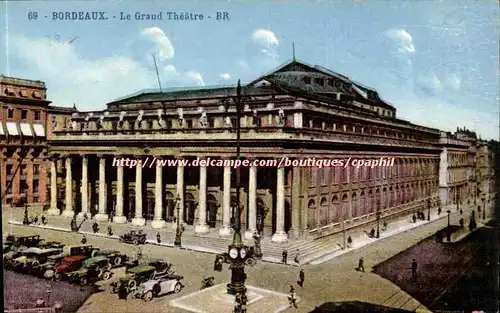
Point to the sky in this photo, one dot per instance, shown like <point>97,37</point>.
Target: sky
<point>436,61</point>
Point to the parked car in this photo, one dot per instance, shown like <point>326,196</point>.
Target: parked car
<point>12,254</point>
<point>116,258</point>
<point>161,267</point>
<point>161,286</point>
<point>135,237</point>
<point>133,277</point>
<point>31,258</point>
<point>92,270</point>
<point>51,244</point>
<point>26,241</point>
<point>70,264</point>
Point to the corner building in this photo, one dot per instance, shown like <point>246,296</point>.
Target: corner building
<point>298,111</point>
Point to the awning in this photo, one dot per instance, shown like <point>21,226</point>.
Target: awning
<point>2,133</point>
<point>12,129</point>
<point>26,129</point>
<point>39,130</point>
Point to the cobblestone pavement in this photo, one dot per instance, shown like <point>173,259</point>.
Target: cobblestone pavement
<point>334,280</point>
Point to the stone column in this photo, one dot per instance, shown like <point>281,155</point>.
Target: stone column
<point>296,200</point>
<point>138,220</point>
<point>180,194</point>
<point>68,210</point>
<point>252,202</point>
<point>119,218</point>
<point>102,215</point>
<point>53,188</point>
<point>84,186</point>
<point>158,221</point>
<point>280,235</point>
<point>226,203</point>
<point>202,227</point>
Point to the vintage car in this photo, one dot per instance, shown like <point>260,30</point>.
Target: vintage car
<point>70,264</point>
<point>116,258</point>
<point>26,241</point>
<point>9,256</point>
<point>161,267</point>
<point>92,269</point>
<point>31,258</point>
<point>158,287</point>
<point>133,277</point>
<point>51,244</point>
<point>48,269</point>
<point>135,237</point>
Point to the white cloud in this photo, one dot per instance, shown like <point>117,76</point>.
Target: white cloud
<point>72,78</point>
<point>402,39</point>
<point>265,37</point>
<point>430,82</point>
<point>196,78</point>
<point>165,48</point>
<point>453,81</point>
<point>225,76</point>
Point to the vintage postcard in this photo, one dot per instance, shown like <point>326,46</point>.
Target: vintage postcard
<point>236,156</point>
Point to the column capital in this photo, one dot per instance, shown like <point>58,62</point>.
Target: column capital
<point>53,157</point>
<point>101,155</point>
<point>83,155</point>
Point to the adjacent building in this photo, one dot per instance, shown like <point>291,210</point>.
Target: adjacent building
<point>24,112</point>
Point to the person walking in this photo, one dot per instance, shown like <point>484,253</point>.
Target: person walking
<point>384,225</point>
<point>110,231</point>
<point>158,238</point>
<point>284,257</point>
<point>292,299</point>
<point>296,259</point>
<point>301,278</point>
<point>349,242</point>
<point>414,218</point>
<point>414,266</point>
<point>439,211</point>
<point>361,265</point>
<point>44,220</point>
<point>84,239</point>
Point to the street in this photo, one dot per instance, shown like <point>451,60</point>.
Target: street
<point>334,280</point>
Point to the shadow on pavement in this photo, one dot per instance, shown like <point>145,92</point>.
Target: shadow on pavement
<point>354,307</point>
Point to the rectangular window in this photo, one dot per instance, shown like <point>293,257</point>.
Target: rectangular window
<point>36,169</point>
<point>10,113</point>
<point>23,186</point>
<point>37,116</point>
<point>35,199</point>
<point>24,170</point>
<point>24,114</point>
<point>35,186</point>
<point>9,169</point>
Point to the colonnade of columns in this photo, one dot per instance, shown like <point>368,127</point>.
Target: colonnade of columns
<point>158,222</point>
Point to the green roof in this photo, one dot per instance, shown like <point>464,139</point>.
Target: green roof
<point>93,260</point>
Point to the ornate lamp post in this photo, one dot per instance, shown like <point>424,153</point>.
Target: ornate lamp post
<point>428,209</point>
<point>448,217</point>
<point>484,206</point>
<point>378,218</point>
<point>238,254</point>
<point>178,230</point>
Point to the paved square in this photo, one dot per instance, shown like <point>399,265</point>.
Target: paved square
<point>216,300</point>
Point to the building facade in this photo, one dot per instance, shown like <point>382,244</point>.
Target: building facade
<point>24,137</point>
<point>298,111</point>
<point>23,117</point>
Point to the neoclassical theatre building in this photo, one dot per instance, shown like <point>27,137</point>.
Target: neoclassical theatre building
<point>299,111</point>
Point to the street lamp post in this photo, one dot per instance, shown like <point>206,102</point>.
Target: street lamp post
<point>238,254</point>
<point>428,209</point>
<point>178,230</point>
<point>448,217</point>
<point>378,218</point>
<point>484,207</point>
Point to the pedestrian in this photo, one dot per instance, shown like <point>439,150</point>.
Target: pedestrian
<point>414,218</point>
<point>361,266</point>
<point>384,225</point>
<point>439,211</point>
<point>372,233</point>
<point>158,238</point>
<point>110,231</point>
<point>44,220</point>
<point>349,242</point>
<point>292,298</point>
<point>84,239</point>
<point>414,269</point>
<point>296,259</point>
<point>461,212</point>
<point>95,227</point>
<point>301,278</point>
<point>284,257</point>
